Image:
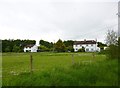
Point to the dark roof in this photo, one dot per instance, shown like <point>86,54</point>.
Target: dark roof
<point>85,42</point>
<point>31,45</point>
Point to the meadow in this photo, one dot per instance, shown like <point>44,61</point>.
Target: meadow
<point>58,69</point>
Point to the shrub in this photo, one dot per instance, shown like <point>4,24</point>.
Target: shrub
<point>81,49</point>
<point>112,52</point>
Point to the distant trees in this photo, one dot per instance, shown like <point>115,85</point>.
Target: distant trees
<point>43,48</point>
<point>60,46</point>
<point>69,45</point>
<point>45,45</point>
<point>15,45</point>
<point>16,48</point>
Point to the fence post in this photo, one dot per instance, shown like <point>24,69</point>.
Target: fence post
<point>31,63</point>
<point>93,55</point>
<point>72,58</point>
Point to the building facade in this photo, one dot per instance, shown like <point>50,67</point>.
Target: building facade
<point>31,48</point>
<point>89,46</point>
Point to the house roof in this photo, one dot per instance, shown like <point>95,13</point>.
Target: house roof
<point>31,45</point>
<point>85,42</point>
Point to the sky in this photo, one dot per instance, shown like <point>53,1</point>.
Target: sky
<point>51,20</point>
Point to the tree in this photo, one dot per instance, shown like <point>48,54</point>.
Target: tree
<point>82,49</point>
<point>113,52</point>
<point>43,48</point>
<point>16,48</point>
<point>47,44</point>
<point>113,44</point>
<point>69,45</point>
<point>59,46</point>
<point>101,45</point>
<point>69,49</point>
<point>8,45</point>
<point>7,49</point>
<point>111,37</point>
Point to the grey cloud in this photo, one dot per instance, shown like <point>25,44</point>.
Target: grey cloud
<point>56,19</point>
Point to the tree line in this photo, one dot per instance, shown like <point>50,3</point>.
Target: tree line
<point>59,46</point>
<point>18,45</point>
<point>11,45</point>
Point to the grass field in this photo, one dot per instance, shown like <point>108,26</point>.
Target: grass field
<point>59,69</point>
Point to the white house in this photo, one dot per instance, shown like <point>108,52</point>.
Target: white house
<point>89,45</point>
<point>31,48</point>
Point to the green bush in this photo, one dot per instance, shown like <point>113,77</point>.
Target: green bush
<point>43,48</point>
<point>81,50</point>
<point>112,52</point>
<point>103,52</point>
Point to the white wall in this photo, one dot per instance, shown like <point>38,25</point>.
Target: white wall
<point>32,49</point>
<point>88,47</point>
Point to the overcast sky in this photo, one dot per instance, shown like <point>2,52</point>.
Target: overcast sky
<point>53,19</point>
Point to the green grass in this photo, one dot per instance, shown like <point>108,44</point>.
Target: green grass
<point>58,69</point>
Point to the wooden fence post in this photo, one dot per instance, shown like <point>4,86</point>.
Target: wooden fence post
<point>93,55</point>
<point>72,58</point>
<point>31,63</point>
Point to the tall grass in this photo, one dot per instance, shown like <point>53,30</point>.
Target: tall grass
<point>59,71</point>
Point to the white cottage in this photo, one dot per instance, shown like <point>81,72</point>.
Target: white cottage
<point>89,45</point>
<point>31,48</point>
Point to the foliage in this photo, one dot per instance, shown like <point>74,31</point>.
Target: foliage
<point>8,45</point>
<point>59,46</point>
<point>81,49</point>
<point>69,49</point>
<point>111,37</point>
<point>43,48</point>
<point>101,45</point>
<point>111,40</point>
<point>51,47</point>
<point>112,52</point>
<point>16,48</point>
<point>103,52</point>
<point>46,44</point>
<point>69,45</point>
<point>7,49</point>
<point>119,48</point>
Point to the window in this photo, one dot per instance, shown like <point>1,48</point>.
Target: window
<point>92,49</point>
<point>87,49</point>
<point>86,44</point>
<point>76,49</point>
<point>76,45</point>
